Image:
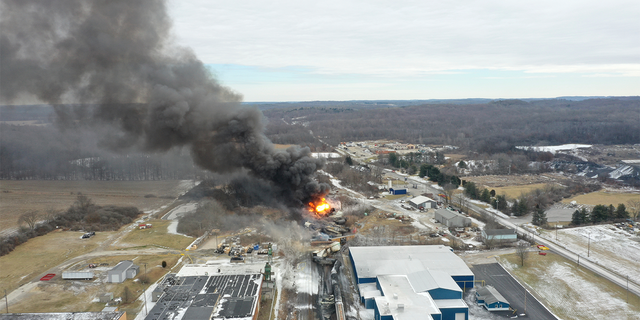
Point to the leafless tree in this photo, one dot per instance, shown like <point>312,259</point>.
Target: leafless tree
<point>30,218</point>
<point>522,251</point>
<point>633,207</point>
<point>449,190</point>
<point>51,214</point>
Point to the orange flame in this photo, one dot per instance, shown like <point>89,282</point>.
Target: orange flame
<point>321,209</point>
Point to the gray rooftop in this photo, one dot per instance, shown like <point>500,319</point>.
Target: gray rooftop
<point>499,232</point>
<point>448,214</point>
<point>122,266</point>
<point>370,262</point>
<point>420,199</point>
<point>426,280</point>
<point>402,302</point>
<point>490,295</point>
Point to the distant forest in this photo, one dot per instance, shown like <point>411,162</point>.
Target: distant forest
<point>476,125</point>
<point>489,127</point>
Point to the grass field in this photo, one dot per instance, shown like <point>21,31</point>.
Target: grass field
<point>157,235</point>
<point>17,197</point>
<point>516,191</point>
<point>602,197</point>
<point>572,292</point>
<point>31,259</point>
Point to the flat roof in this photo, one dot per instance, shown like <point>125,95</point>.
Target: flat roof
<point>451,303</point>
<point>370,262</point>
<point>402,302</point>
<point>421,199</point>
<point>426,280</point>
<point>122,265</point>
<point>218,296</point>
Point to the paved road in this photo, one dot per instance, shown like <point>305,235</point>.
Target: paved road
<point>493,274</point>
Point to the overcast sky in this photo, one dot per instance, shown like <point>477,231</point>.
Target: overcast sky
<point>348,50</point>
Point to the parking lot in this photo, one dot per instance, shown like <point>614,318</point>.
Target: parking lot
<point>493,274</point>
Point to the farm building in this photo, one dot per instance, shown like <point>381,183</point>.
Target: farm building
<point>422,202</point>
<point>122,271</point>
<point>84,275</point>
<point>499,235</point>
<point>452,219</point>
<point>395,191</point>
<point>412,282</point>
<point>491,299</point>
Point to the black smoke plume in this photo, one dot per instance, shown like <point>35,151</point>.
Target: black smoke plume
<point>117,56</point>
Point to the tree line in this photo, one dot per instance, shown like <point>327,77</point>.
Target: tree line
<point>83,214</point>
<point>603,213</point>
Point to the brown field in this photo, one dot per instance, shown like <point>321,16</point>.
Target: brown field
<point>31,259</point>
<point>516,191</point>
<point>570,291</point>
<point>496,181</point>
<point>155,236</point>
<point>603,197</point>
<point>60,295</point>
<point>17,197</point>
<point>282,146</point>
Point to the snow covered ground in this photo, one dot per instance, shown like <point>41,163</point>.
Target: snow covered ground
<point>606,245</point>
<point>554,149</point>
<point>177,213</point>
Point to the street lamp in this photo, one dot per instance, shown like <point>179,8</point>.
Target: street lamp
<point>144,292</point>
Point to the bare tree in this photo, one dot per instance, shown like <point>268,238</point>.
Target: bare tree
<point>449,190</point>
<point>50,214</point>
<point>30,218</point>
<point>633,208</point>
<point>522,251</point>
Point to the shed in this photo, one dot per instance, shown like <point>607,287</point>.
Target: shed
<point>85,275</point>
<point>122,271</point>
<point>500,235</point>
<point>452,219</point>
<point>491,299</point>
<point>421,202</point>
<point>395,191</point>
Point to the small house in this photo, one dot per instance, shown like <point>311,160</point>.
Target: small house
<point>491,299</point>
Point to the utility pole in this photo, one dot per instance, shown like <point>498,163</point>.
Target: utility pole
<point>589,245</point>
<point>557,229</point>
<point>146,312</point>
<point>525,300</point>
<point>578,260</point>
<point>627,289</point>
<point>6,299</point>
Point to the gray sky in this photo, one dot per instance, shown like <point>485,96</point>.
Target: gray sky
<point>340,50</point>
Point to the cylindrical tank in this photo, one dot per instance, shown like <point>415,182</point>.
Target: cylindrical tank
<point>267,271</point>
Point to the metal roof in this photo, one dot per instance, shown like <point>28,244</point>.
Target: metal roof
<point>448,214</point>
<point>427,280</point>
<point>122,266</point>
<point>420,199</point>
<point>490,295</point>
<point>370,262</point>
<point>402,302</point>
<point>499,232</point>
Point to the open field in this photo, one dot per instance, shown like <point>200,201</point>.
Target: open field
<point>60,295</point>
<point>17,197</point>
<point>31,259</point>
<point>516,191</point>
<point>603,197</point>
<point>572,292</point>
<point>497,181</point>
<point>155,236</point>
<point>607,245</point>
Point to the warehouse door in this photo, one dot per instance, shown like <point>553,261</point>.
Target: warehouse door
<point>460,316</point>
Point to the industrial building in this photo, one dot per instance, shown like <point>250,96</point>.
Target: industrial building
<point>396,191</point>
<point>122,271</point>
<point>208,292</point>
<point>452,219</point>
<point>117,315</point>
<point>491,299</point>
<point>499,235</point>
<point>79,275</point>
<point>423,203</point>
<point>412,282</point>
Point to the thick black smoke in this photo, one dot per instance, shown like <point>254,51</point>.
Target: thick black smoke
<point>117,56</point>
